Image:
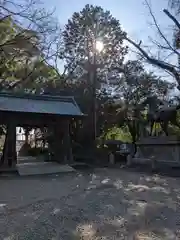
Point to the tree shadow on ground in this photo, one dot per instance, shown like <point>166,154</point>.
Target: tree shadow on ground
<point>105,204</point>
<point>162,170</point>
<point>138,209</point>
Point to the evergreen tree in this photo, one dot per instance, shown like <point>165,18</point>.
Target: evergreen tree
<point>85,33</point>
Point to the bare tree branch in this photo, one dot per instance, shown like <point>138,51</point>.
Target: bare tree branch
<point>156,62</point>
<point>160,62</point>
<point>159,30</point>
<point>172,18</point>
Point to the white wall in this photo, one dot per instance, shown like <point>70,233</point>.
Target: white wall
<point>20,136</point>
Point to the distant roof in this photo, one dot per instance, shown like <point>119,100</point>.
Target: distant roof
<point>44,104</point>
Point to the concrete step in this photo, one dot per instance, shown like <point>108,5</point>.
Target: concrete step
<point>39,168</point>
<point>29,159</point>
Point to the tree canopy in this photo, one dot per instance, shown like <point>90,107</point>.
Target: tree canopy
<point>83,32</point>
<point>28,35</point>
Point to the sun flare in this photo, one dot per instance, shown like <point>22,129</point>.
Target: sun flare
<point>99,46</point>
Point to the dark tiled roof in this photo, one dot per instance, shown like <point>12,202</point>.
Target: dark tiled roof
<point>45,104</point>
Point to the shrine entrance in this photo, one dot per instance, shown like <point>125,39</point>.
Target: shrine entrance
<point>38,111</point>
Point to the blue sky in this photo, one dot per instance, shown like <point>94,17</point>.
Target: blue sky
<point>133,14</point>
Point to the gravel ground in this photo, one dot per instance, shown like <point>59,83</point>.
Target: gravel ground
<point>103,204</point>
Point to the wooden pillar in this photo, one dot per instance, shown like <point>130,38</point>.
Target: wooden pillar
<point>61,142</point>
<point>58,144</point>
<point>68,155</point>
<point>9,156</point>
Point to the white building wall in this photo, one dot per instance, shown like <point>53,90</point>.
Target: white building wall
<point>20,134</point>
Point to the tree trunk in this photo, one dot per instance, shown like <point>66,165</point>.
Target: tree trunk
<point>35,138</point>
<point>26,136</point>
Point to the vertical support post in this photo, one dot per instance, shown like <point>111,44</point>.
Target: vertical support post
<point>67,143</point>
<point>62,143</point>
<point>9,156</point>
<point>57,142</point>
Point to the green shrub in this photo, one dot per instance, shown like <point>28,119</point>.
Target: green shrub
<point>116,133</point>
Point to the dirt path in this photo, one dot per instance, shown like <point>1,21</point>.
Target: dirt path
<point>105,204</point>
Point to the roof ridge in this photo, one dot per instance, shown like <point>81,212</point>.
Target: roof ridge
<point>44,97</point>
<point>45,104</point>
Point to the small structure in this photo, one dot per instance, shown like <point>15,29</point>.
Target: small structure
<point>117,148</point>
<point>157,150</point>
<point>52,112</point>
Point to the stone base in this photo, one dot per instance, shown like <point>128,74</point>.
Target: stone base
<point>157,150</point>
<point>159,140</point>
<point>143,161</point>
<point>111,159</point>
<point>39,168</point>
